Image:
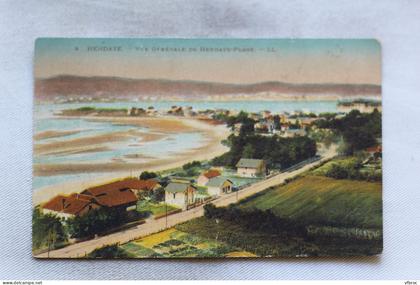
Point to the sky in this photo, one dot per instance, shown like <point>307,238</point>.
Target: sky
<point>239,61</point>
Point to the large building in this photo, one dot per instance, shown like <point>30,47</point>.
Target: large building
<point>122,198</point>
<point>137,186</point>
<point>247,167</point>
<point>118,194</point>
<point>77,204</point>
<point>69,206</point>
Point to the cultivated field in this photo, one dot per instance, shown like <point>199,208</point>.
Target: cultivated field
<point>175,243</point>
<point>342,218</point>
<point>319,200</point>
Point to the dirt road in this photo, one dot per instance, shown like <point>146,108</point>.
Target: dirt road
<point>152,226</point>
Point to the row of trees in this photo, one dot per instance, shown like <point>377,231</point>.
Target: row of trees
<point>359,130</point>
<point>276,151</point>
<point>96,221</point>
<point>256,220</point>
<point>49,231</point>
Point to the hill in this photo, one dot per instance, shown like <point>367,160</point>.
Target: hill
<point>115,87</point>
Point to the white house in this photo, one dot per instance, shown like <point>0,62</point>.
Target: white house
<point>247,167</point>
<point>218,186</point>
<point>265,125</point>
<point>270,125</point>
<point>180,194</point>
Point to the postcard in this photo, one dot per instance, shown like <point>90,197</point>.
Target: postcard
<point>207,148</point>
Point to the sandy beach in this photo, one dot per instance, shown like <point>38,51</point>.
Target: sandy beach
<point>53,134</point>
<point>92,143</point>
<point>212,147</point>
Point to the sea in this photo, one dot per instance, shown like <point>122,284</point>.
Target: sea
<point>46,119</point>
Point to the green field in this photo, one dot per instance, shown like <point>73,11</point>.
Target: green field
<point>154,209</point>
<point>324,201</point>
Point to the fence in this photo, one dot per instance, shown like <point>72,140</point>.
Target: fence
<point>201,202</point>
<point>301,164</point>
<point>156,217</point>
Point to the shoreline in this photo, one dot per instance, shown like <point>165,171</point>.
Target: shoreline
<point>212,148</point>
<point>300,96</point>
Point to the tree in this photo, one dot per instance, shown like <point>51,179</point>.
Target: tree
<point>274,150</point>
<point>210,211</point>
<point>158,195</point>
<point>359,130</point>
<point>247,127</point>
<point>147,175</point>
<point>276,119</point>
<point>248,151</point>
<point>192,164</point>
<point>47,230</point>
<point>338,172</point>
<point>96,221</point>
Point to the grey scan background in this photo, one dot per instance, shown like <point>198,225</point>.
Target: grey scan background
<point>395,24</point>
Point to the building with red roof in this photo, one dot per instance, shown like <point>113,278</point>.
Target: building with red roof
<point>115,194</point>
<point>206,176</point>
<point>120,194</point>
<point>70,206</point>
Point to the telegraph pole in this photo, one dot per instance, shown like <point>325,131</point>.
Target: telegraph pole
<point>166,213</point>
<point>49,243</point>
<point>237,194</point>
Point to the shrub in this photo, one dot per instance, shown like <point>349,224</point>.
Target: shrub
<point>96,222</point>
<point>158,195</point>
<point>147,175</point>
<point>338,172</point>
<point>190,165</point>
<point>109,251</point>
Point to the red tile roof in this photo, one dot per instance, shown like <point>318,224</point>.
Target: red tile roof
<point>73,204</point>
<point>81,197</point>
<point>212,173</point>
<point>147,185</point>
<point>55,204</point>
<point>110,195</point>
<point>116,193</point>
<point>131,183</point>
<point>117,197</point>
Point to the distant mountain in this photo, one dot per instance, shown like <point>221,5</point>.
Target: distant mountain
<point>123,88</point>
